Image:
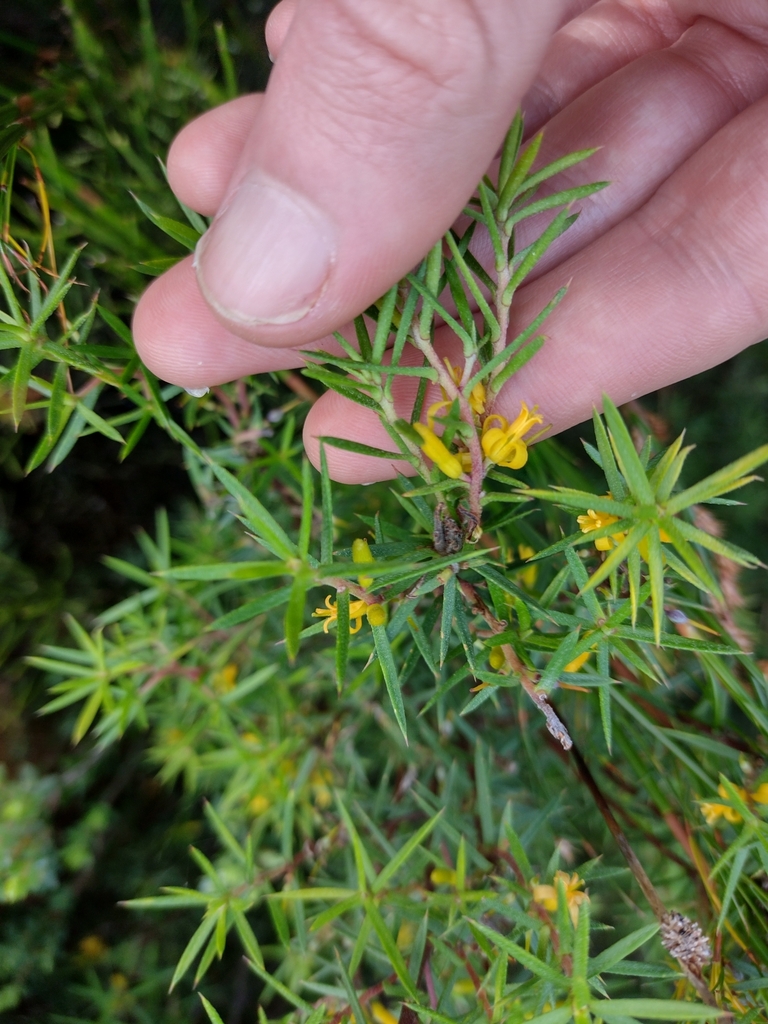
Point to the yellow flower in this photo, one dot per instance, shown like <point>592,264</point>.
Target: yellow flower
<point>377,614</point>
<point>320,780</point>
<point>578,661</point>
<point>92,947</point>
<point>357,612</point>
<point>381,1014</point>
<point>477,399</point>
<point>477,396</point>
<point>546,895</point>
<point>596,521</point>
<point>713,811</point>
<point>504,444</point>
<point>643,545</point>
<point>118,981</point>
<point>225,680</point>
<point>435,409</point>
<point>258,804</point>
<point>529,574</point>
<point>435,450</point>
<point>362,553</point>
<point>464,987</point>
<point>405,936</point>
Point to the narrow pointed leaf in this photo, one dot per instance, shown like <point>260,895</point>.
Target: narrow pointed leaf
<point>523,957</point>
<point>194,946</point>
<point>342,637</point>
<point>175,229</point>
<point>561,223</point>
<point>213,1016</point>
<point>654,1009</point>
<point>259,519</point>
<point>294,615</point>
<point>621,950</point>
<point>391,678</point>
<point>326,493</point>
<point>390,948</point>
<point>626,455</point>
<point>446,621</point>
<point>404,853</point>
<point>724,480</point>
<point>510,188</point>
<point>563,198</point>
<point>607,459</point>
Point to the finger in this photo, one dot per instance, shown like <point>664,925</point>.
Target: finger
<point>675,289</point>
<point>400,89</point>
<point>612,33</point>
<point>647,119</point>
<point>180,340</point>
<point>202,155</point>
<point>278,23</point>
<point>590,48</point>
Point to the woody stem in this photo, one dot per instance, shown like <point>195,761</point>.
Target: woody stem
<point>539,698</point>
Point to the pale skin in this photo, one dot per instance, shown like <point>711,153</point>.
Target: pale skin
<point>379,120</point>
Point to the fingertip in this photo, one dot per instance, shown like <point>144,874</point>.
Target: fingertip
<point>180,341</point>
<point>278,23</point>
<point>336,416</point>
<point>202,156</point>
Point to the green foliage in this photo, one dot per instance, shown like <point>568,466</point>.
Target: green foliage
<point>429,751</point>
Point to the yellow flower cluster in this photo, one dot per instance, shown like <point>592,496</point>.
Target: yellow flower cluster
<point>435,450</point>
<point>597,520</point>
<point>546,895</point>
<point>713,811</point>
<point>504,444</point>
<point>358,610</point>
<point>529,574</point>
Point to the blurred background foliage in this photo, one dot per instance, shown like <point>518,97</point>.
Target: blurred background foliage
<point>83,827</point>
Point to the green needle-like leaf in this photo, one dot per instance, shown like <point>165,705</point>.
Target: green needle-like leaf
<point>342,637</point>
<point>175,229</point>
<point>194,946</point>
<point>653,1009</point>
<point>724,480</point>
<point>607,459</point>
<point>213,1016</point>
<point>326,493</point>
<point>294,615</point>
<point>390,948</point>
<point>621,950</point>
<point>626,455</point>
<point>404,853</point>
<point>523,957</point>
<point>446,622</point>
<point>509,189</point>
<point>391,677</point>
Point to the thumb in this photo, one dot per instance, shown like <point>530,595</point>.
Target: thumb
<point>377,123</point>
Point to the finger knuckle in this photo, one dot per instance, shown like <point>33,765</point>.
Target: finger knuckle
<point>445,44</point>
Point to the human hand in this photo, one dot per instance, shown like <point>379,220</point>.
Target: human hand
<point>374,130</point>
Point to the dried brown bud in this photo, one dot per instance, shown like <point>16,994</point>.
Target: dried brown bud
<point>685,940</point>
